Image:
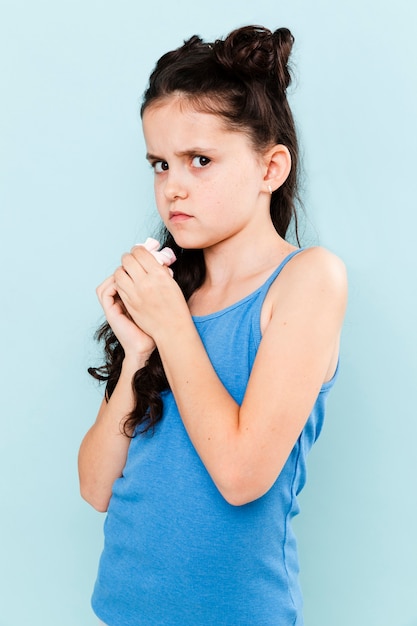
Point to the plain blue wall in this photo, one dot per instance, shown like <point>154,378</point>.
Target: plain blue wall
<point>76,193</point>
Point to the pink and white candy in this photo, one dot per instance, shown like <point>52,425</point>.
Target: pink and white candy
<point>165,256</point>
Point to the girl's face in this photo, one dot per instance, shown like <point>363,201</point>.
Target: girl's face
<point>209,181</point>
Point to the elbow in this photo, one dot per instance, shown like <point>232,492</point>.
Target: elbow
<point>99,502</point>
<point>237,499</point>
<point>240,498</point>
<point>241,490</point>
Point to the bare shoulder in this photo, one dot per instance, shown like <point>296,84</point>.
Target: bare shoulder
<point>318,264</point>
<point>313,279</point>
<point>314,267</point>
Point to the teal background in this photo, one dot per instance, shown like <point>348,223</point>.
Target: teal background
<point>76,192</point>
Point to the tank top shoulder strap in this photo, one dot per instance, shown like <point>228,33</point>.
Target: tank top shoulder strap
<point>280,267</point>
<point>261,295</point>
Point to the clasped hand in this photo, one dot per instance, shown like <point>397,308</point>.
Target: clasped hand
<point>141,297</point>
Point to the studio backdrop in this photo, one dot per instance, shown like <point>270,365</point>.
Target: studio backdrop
<point>76,192</point>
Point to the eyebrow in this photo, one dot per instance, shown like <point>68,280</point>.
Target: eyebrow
<point>152,157</point>
<point>191,152</point>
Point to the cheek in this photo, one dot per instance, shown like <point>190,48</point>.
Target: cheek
<point>223,202</point>
<point>159,195</point>
<point>162,211</point>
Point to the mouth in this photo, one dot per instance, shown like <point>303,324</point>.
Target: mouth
<point>177,216</point>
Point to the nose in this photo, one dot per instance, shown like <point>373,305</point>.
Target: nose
<point>175,187</point>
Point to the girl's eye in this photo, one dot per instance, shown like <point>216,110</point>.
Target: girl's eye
<point>160,166</point>
<point>200,161</point>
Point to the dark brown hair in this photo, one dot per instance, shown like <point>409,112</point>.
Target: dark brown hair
<point>243,79</point>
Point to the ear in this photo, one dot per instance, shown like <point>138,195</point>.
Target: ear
<point>278,165</point>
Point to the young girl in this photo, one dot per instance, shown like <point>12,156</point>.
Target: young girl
<point>218,367</point>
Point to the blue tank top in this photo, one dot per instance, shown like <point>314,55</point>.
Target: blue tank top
<point>175,552</point>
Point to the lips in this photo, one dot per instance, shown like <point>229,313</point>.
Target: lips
<point>177,216</point>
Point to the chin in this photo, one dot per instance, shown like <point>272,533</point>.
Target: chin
<point>189,242</point>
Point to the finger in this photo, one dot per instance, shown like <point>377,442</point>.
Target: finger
<point>108,295</point>
<point>132,265</point>
<point>148,261</point>
<point>122,279</point>
<point>107,285</point>
<point>165,256</point>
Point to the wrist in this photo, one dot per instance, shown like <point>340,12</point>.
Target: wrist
<point>134,362</point>
<point>173,337</point>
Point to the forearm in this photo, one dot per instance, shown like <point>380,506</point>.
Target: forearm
<point>103,452</point>
<point>242,447</point>
<point>209,413</point>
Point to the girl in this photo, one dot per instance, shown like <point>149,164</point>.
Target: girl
<point>218,368</point>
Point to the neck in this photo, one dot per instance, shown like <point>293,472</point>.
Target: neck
<point>243,256</point>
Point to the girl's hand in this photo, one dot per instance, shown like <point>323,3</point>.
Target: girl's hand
<point>150,295</point>
<point>133,340</point>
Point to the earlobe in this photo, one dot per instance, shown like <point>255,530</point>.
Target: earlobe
<point>278,162</point>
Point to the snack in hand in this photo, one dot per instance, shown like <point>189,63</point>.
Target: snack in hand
<point>165,256</point>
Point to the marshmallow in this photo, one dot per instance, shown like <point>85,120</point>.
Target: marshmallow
<point>165,256</point>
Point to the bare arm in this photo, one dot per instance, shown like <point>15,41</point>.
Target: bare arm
<point>244,448</point>
<point>103,451</point>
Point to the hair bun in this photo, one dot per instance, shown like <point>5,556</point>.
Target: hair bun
<point>284,42</point>
<point>256,53</point>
